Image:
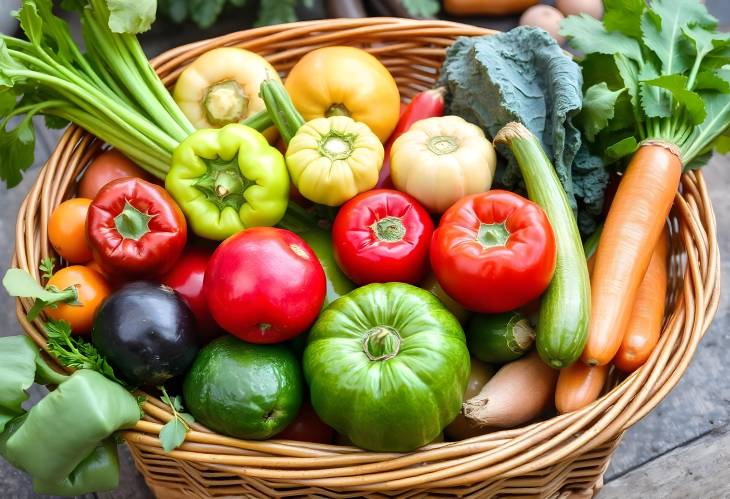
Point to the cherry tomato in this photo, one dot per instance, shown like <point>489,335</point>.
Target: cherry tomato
<point>382,235</point>
<point>67,230</point>
<point>91,290</point>
<point>494,251</point>
<point>107,166</point>
<point>264,285</point>
<point>307,427</point>
<point>186,278</point>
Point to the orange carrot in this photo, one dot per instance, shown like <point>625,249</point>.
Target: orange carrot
<point>487,7</point>
<point>578,386</point>
<point>633,226</point>
<point>642,333</point>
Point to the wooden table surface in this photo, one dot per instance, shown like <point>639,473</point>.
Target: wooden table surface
<point>680,450</point>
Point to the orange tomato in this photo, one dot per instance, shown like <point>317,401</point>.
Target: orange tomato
<point>67,230</point>
<point>91,290</point>
<point>345,81</point>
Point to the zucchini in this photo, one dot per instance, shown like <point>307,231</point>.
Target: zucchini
<point>562,327</point>
<point>499,338</point>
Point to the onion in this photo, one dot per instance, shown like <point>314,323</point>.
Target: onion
<point>545,17</point>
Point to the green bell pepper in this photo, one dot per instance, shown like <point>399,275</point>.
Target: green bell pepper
<point>63,441</point>
<point>337,282</point>
<point>387,366</point>
<point>228,179</point>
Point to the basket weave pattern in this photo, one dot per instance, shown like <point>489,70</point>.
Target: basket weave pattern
<point>563,455</point>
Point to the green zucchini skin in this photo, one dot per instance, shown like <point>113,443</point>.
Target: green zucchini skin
<point>562,327</point>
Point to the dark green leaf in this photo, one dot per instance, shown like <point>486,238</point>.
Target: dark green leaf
<point>54,122</point>
<point>677,86</point>
<point>205,12</point>
<point>276,12</point>
<point>177,10</point>
<point>624,16</point>
<point>172,434</point>
<point>31,22</point>
<point>709,80</point>
<point>662,29</point>
<point>722,144</point>
<point>654,100</point>
<point>716,123</point>
<point>598,109</point>
<point>74,5</point>
<point>7,100</point>
<point>421,8</point>
<point>586,34</point>
<point>622,148</point>
<point>46,267</point>
<point>17,148</point>
<point>240,3</point>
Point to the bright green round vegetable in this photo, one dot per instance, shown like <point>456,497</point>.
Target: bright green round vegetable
<point>387,366</point>
<point>244,390</point>
<point>499,338</point>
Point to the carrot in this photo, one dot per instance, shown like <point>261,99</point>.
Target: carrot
<point>487,7</point>
<point>579,385</point>
<point>642,333</point>
<point>633,227</point>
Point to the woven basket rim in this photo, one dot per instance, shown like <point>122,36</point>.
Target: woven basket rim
<point>502,454</point>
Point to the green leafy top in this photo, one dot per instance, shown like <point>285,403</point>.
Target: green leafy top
<point>72,351</point>
<point>172,434</point>
<point>656,71</point>
<point>204,13</point>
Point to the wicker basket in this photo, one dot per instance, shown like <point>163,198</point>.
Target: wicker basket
<point>563,455</point>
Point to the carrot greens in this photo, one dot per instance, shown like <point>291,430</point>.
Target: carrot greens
<point>111,90</point>
<point>653,71</point>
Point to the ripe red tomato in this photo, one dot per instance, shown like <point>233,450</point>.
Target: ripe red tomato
<point>494,251</point>
<point>107,166</point>
<point>307,427</point>
<point>264,285</point>
<point>382,235</point>
<point>186,278</point>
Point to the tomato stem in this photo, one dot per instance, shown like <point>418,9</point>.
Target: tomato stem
<point>131,223</point>
<point>381,343</point>
<point>493,235</point>
<point>389,229</point>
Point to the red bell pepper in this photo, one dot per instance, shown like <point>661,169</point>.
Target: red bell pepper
<point>428,104</point>
<point>135,229</point>
<point>382,235</point>
<point>494,251</point>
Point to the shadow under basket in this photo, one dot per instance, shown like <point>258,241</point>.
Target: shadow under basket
<point>559,457</point>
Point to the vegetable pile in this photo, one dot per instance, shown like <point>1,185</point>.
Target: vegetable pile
<point>321,266</point>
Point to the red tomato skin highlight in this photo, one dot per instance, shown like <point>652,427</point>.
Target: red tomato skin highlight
<point>502,277</point>
<point>264,285</point>
<point>364,257</point>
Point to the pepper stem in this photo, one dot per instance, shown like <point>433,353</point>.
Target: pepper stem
<point>225,102</point>
<point>132,223</point>
<point>381,343</point>
<point>389,229</point>
<point>491,235</point>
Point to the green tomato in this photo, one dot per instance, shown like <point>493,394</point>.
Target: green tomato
<point>244,390</point>
<point>337,282</point>
<point>387,366</point>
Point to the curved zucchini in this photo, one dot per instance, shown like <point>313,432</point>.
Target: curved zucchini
<point>562,328</point>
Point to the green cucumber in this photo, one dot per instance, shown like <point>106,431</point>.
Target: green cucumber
<point>562,327</point>
<point>499,338</point>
